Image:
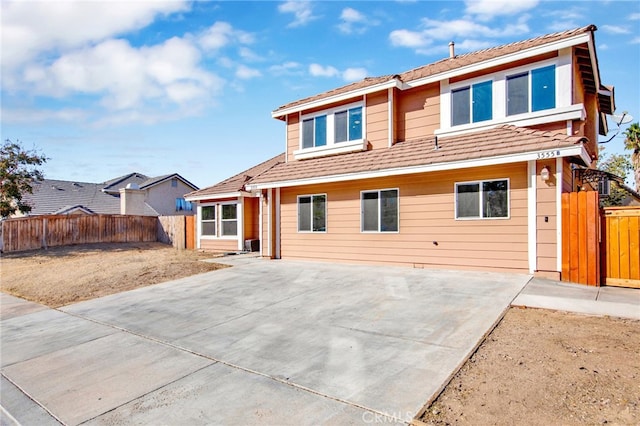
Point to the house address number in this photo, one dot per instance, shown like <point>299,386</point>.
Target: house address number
<point>548,154</point>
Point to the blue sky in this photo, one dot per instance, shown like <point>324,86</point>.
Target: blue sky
<point>108,88</point>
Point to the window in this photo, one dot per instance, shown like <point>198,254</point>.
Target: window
<point>531,91</point>
<point>483,199</point>
<point>314,131</point>
<point>229,219</point>
<point>208,221</point>
<point>379,210</point>
<point>174,183</point>
<point>472,104</point>
<point>183,205</point>
<point>312,213</point>
<point>348,125</point>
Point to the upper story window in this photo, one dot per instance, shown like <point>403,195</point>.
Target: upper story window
<point>174,183</point>
<point>530,91</point>
<point>332,131</point>
<point>472,104</point>
<point>314,131</point>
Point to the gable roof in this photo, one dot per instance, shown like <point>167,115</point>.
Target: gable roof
<point>235,184</point>
<point>159,179</point>
<point>461,62</point>
<point>113,186</point>
<point>502,144</point>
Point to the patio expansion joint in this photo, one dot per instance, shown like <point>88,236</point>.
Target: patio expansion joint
<point>31,397</point>
<point>231,365</point>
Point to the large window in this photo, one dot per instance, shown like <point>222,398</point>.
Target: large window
<point>379,210</point>
<point>472,104</point>
<point>482,199</point>
<point>314,131</point>
<point>530,91</point>
<point>208,221</point>
<point>312,213</point>
<point>348,125</point>
<point>229,219</point>
<point>183,205</point>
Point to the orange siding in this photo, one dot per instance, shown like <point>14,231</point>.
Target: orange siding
<point>378,120</point>
<point>558,126</point>
<point>418,112</point>
<point>219,245</point>
<point>426,217</point>
<point>567,176</point>
<point>546,209</point>
<point>293,135</point>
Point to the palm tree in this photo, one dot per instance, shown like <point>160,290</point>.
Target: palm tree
<point>632,142</point>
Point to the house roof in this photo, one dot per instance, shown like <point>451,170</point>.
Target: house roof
<point>143,181</point>
<point>460,61</point>
<point>499,142</point>
<point>237,182</point>
<point>52,196</point>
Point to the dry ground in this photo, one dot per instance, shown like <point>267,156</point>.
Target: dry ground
<point>541,367</point>
<point>537,367</point>
<point>63,275</point>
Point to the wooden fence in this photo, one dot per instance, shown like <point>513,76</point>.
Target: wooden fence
<point>37,232</point>
<point>621,246</point>
<point>581,237</point>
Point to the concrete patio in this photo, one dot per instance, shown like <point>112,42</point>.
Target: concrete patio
<point>269,342</point>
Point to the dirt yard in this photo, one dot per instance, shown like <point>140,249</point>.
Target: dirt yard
<point>63,275</point>
<point>542,367</point>
<point>537,367</point>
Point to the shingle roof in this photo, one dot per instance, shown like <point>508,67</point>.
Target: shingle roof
<point>446,64</point>
<point>114,185</point>
<point>52,196</point>
<point>158,179</point>
<point>237,183</point>
<point>502,140</point>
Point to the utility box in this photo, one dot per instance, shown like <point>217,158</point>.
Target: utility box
<point>251,245</point>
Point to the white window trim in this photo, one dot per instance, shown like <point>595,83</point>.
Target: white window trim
<point>379,211</point>
<point>564,109</point>
<point>470,83</point>
<point>218,220</point>
<point>480,182</point>
<point>325,213</point>
<point>331,146</point>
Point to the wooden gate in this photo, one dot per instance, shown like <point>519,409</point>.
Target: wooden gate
<point>190,232</point>
<point>621,246</point>
<point>581,237</point>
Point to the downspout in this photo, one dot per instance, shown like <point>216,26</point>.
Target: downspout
<point>531,216</point>
<point>277,253</point>
<point>269,224</point>
<point>260,222</point>
<point>559,242</point>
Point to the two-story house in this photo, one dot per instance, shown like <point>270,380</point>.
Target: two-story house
<point>457,164</point>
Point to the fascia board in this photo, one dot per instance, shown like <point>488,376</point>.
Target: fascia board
<point>215,196</point>
<point>501,60</point>
<point>336,98</point>
<point>577,150</point>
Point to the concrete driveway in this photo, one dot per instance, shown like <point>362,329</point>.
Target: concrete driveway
<point>263,342</point>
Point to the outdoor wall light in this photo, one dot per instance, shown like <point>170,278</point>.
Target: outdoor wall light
<point>544,174</point>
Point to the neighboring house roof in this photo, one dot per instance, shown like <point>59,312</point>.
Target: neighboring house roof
<point>236,184</point>
<point>51,196</point>
<point>589,70</point>
<point>114,185</point>
<point>497,144</point>
<point>159,179</point>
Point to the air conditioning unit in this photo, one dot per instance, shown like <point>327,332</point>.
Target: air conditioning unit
<point>604,187</point>
<point>252,245</point>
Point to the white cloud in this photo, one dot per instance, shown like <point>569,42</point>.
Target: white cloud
<point>287,68</point>
<point>445,30</point>
<point>221,34</point>
<point>249,55</point>
<point>34,28</point>
<point>634,17</point>
<point>245,73</point>
<point>488,9</point>
<point>354,74</point>
<point>615,29</point>
<point>23,115</point>
<point>318,70</point>
<point>635,40</point>
<point>406,38</point>
<point>301,10</point>
<point>126,77</point>
<point>353,21</point>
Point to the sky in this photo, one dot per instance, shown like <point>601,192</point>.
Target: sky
<point>107,88</point>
